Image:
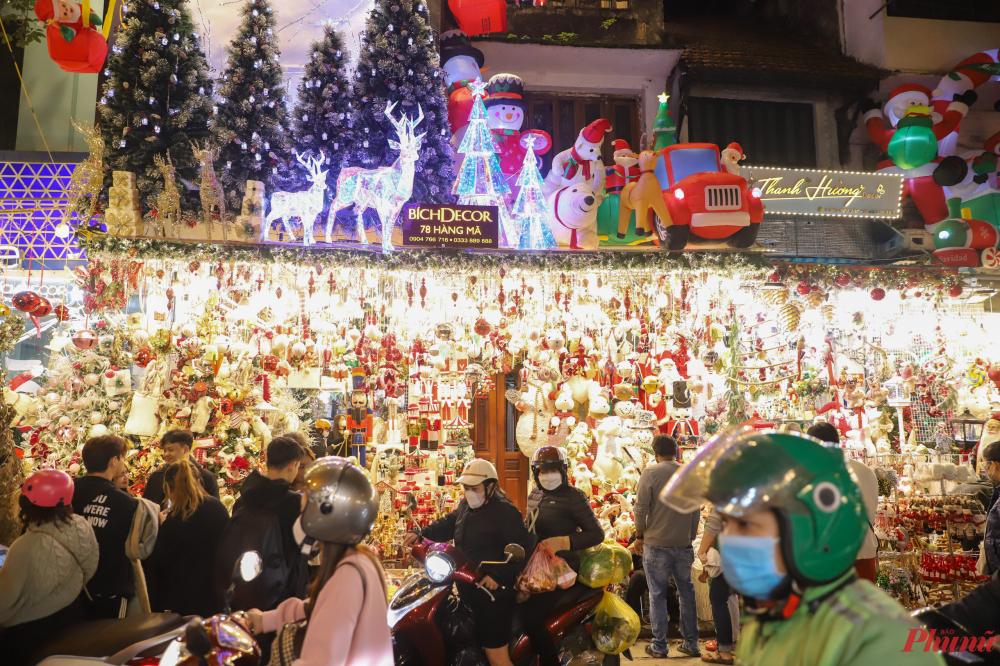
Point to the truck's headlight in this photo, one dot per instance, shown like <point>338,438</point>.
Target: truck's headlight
<point>438,566</point>
<point>678,193</point>
<point>755,193</point>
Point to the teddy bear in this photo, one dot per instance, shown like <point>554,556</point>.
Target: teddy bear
<point>573,216</point>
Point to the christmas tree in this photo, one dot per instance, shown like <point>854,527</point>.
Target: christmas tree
<point>322,119</point>
<point>251,122</point>
<point>481,182</point>
<point>398,62</point>
<point>156,97</point>
<point>530,209</point>
<point>663,126</point>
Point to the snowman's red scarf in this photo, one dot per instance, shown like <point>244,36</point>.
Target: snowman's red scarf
<point>572,231</point>
<point>575,161</point>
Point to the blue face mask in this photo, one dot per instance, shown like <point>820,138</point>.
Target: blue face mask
<point>749,565</point>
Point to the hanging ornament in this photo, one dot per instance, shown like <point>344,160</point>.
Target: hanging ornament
<point>85,339</point>
<point>878,293</point>
<point>26,301</point>
<point>44,308</point>
<point>4,309</point>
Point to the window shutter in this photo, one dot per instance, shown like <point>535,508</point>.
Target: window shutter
<point>778,134</point>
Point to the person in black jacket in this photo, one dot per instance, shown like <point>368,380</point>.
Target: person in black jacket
<point>177,445</point>
<point>180,573</point>
<point>110,512</point>
<point>560,515</point>
<point>482,525</point>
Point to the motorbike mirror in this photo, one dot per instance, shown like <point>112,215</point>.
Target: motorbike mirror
<point>196,638</point>
<point>247,567</point>
<point>411,502</point>
<point>514,552</point>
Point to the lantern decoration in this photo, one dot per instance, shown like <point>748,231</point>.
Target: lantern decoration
<point>26,301</point>
<point>85,339</point>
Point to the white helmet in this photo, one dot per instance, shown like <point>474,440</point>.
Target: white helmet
<point>477,471</point>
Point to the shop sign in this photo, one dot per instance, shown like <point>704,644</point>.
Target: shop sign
<point>444,225</point>
<point>827,193</point>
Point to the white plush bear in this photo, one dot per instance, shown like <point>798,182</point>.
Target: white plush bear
<point>581,163</point>
<point>573,216</point>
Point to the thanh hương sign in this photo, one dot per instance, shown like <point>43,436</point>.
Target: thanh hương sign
<point>831,193</point>
<point>444,225</point>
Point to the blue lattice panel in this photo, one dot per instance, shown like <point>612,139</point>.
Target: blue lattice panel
<point>32,203</point>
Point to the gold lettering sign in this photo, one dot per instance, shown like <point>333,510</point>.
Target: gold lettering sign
<point>442,225</point>
<point>826,192</point>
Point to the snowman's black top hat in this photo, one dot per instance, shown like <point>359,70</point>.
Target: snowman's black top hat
<point>456,43</point>
<point>505,89</point>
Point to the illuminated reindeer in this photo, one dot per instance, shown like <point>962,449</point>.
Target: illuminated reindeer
<point>303,205</point>
<point>385,189</point>
<point>212,196</point>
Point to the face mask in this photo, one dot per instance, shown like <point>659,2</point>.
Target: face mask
<point>475,499</point>
<point>749,564</point>
<point>308,545</point>
<point>550,480</point>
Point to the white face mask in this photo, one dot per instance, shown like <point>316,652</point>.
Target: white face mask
<point>308,545</point>
<point>475,499</point>
<point>550,480</point>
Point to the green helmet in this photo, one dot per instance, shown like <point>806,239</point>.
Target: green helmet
<point>808,484</point>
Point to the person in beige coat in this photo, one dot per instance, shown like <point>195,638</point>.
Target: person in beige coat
<point>46,567</point>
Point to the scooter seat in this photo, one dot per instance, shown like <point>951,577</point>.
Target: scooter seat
<point>102,638</point>
<point>571,597</point>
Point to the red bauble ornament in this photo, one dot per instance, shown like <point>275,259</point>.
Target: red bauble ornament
<point>482,327</point>
<point>955,291</point>
<point>61,312</point>
<point>269,363</point>
<point>85,339</point>
<point>774,277</point>
<point>225,406</point>
<point>43,310</point>
<point>110,374</point>
<point>803,288</point>
<point>144,357</point>
<point>878,293</point>
<point>842,279</point>
<point>26,301</point>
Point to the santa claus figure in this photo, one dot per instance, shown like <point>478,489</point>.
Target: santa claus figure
<point>505,112</point>
<point>991,433</point>
<point>625,170</point>
<point>582,163</point>
<point>912,144</point>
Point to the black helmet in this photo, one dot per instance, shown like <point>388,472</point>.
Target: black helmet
<point>548,459</point>
<point>340,502</point>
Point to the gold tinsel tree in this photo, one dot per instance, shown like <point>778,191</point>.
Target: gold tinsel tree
<point>11,469</point>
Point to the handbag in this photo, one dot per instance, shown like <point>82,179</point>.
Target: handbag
<point>982,564</point>
<point>287,646</point>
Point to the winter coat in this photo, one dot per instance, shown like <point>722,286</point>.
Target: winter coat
<point>46,569</point>
<point>260,492</point>
<point>992,538</point>
<point>110,512</point>
<point>482,534</point>
<point>181,571</point>
<point>857,625</point>
<point>564,511</point>
<point>154,484</point>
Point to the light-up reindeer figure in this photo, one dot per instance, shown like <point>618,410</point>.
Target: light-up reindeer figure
<point>88,175</point>
<point>303,205</point>
<point>385,189</point>
<point>212,195</point>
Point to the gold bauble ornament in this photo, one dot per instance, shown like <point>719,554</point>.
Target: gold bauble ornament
<point>4,309</point>
<point>774,297</point>
<point>815,298</point>
<point>789,317</point>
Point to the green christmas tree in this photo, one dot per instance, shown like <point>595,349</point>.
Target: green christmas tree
<point>322,119</point>
<point>399,62</point>
<point>736,404</point>
<point>156,97</point>
<point>251,123</point>
<point>663,125</point>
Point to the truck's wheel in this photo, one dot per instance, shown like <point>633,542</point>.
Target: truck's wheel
<point>673,238</point>
<point>745,237</point>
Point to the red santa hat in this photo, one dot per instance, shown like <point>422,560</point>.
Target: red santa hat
<point>909,91</point>
<point>621,148</point>
<point>595,131</point>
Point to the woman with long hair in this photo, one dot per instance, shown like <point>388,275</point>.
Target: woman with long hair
<point>46,567</point>
<point>348,599</point>
<point>180,573</point>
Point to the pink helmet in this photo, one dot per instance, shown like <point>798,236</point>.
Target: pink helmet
<point>48,487</point>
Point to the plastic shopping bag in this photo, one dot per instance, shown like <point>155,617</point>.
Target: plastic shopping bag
<point>544,572</point>
<point>615,626</point>
<point>597,566</point>
<point>623,562</point>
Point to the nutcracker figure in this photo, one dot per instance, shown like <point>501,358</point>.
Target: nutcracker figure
<point>359,425</point>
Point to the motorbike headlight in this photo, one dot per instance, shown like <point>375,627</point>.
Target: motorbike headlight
<point>438,566</point>
<point>678,193</point>
<point>175,653</point>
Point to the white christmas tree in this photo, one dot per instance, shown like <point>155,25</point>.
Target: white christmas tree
<point>530,209</point>
<point>480,181</point>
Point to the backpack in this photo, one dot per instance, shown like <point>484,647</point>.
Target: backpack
<point>255,528</point>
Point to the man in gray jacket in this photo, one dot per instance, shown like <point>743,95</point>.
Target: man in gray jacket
<point>664,538</point>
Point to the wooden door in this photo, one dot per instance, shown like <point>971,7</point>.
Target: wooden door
<point>493,439</point>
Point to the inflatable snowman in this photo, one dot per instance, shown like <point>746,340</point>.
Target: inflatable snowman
<point>505,112</point>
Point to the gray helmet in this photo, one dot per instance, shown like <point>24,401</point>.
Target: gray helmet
<point>340,502</point>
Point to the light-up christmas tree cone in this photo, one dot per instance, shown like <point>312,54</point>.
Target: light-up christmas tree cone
<point>481,181</point>
<point>663,125</point>
<point>530,210</point>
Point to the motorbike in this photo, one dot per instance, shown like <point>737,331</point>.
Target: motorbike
<point>161,639</point>
<point>427,617</point>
